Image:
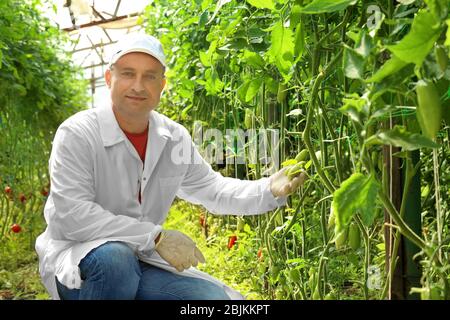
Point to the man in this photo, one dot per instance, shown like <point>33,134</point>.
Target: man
<point>114,174</point>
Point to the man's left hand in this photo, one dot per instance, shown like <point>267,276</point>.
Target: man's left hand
<point>281,185</point>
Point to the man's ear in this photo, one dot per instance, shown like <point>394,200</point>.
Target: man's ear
<point>108,78</point>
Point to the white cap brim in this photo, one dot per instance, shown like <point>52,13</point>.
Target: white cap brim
<point>121,54</point>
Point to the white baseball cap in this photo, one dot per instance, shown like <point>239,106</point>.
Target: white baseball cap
<point>138,43</point>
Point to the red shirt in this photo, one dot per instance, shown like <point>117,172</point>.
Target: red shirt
<point>139,141</point>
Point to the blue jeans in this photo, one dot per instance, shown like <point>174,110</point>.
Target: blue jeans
<point>112,271</point>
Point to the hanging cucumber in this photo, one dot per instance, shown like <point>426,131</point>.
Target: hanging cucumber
<point>441,57</point>
<point>331,219</point>
<point>248,119</point>
<point>354,237</point>
<point>302,155</point>
<point>282,92</point>
<point>295,169</point>
<point>341,239</point>
<point>429,110</point>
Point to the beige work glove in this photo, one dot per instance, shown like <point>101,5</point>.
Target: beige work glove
<point>281,185</point>
<point>178,250</point>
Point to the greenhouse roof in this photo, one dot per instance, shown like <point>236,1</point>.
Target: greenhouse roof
<point>94,26</point>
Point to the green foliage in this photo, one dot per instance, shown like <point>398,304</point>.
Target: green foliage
<point>19,274</point>
<point>39,88</point>
<point>323,6</point>
<point>356,194</point>
<point>353,64</point>
<point>391,66</point>
<point>234,267</point>
<point>424,32</point>
<point>348,68</point>
<point>281,52</point>
<point>262,4</point>
<point>399,137</point>
<point>37,80</point>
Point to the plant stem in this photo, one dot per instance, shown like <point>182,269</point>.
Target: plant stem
<point>366,254</point>
<point>404,228</point>
<point>439,217</point>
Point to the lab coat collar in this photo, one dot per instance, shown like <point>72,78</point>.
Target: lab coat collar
<point>112,134</point>
<point>158,135</point>
<point>109,127</point>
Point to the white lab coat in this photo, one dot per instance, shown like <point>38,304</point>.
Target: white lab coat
<point>95,177</point>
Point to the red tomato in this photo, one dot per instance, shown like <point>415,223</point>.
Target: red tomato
<point>259,254</point>
<point>16,228</point>
<point>44,192</point>
<point>231,241</point>
<point>8,189</point>
<point>202,220</point>
<point>22,198</point>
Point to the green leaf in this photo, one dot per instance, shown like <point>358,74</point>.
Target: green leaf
<point>271,84</point>
<point>357,193</point>
<point>253,89</point>
<point>353,63</point>
<point>355,107</point>
<point>353,35</point>
<point>20,89</point>
<point>281,51</point>
<point>323,6</point>
<point>253,59</point>
<point>206,4</point>
<point>364,45</point>
<point>439,8</point>
<point>389,67</point>
<point>207,57</point>
<point>262,4</point>
<point>213,84</point>
<point>242,90</point>
<point>399,137</point>
<point>203,19</point>
<point>219,5</point>
<point>415,46</point>
<point>188,22</point>
<point>204,58</point>
<point>248,90</point>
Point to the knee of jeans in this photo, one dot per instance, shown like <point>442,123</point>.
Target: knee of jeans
<point>111,260</point>
<point>217,293</point>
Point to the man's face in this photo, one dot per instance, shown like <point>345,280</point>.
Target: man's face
<point>136,82</point>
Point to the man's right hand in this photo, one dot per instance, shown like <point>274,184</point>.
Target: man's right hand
<point>178,250</point>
